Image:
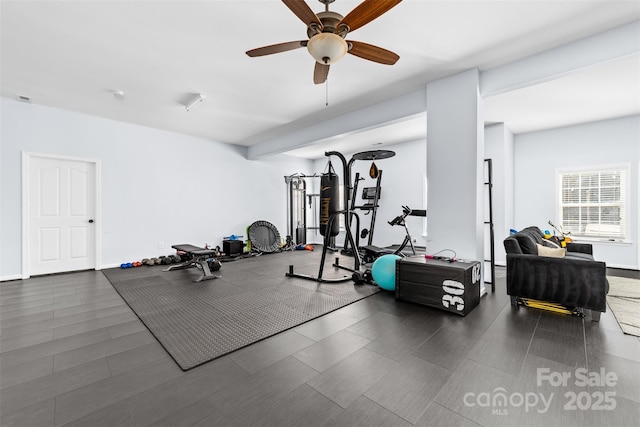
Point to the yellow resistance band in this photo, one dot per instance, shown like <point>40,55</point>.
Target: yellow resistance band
<point>542,305</point>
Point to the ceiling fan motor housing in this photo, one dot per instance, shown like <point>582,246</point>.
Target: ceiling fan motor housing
<point>330,21</point>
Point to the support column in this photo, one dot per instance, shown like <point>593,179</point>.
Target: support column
<point>455,156</point>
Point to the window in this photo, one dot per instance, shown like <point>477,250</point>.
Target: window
<point>592,202</point>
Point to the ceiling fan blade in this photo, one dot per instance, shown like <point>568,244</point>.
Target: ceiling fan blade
<point>373,53</point>
<point>276,48</point>
<point>366,12</point>
<point>320,73</point>
<point>302,11</point>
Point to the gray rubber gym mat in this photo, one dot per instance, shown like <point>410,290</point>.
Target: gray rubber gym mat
<point>198,322</point>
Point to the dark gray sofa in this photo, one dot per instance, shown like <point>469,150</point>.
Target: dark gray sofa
<point>576,280</point>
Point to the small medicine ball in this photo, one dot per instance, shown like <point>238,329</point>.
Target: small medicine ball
<point>384,271</point>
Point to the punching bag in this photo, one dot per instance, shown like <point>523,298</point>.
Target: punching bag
<point>329,202</point>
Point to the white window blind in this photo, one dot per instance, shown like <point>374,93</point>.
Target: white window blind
<point>592,202</point>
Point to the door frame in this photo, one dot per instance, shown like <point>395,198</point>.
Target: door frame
<point>27,156</point>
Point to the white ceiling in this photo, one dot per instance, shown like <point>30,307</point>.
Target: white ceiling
<point>410,129</point>
<point>74,54</point>
<point>600,92</point>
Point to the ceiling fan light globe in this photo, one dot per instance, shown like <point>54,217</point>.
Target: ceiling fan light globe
<point>327,48</point>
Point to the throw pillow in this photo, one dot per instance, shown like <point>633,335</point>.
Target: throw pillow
<point>551,252</point>
<point>550,244</point>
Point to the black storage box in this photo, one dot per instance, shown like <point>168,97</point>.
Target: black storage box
<point>232,247</point>
<point>451,286</point>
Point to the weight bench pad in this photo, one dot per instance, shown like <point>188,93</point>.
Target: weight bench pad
<point>195,250</point>
<point>199,260</point>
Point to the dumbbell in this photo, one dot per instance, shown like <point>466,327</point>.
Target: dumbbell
<point>214,264</point>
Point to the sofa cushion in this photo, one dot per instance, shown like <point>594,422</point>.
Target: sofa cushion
<point>579,255</point>
<point>585,248</point>
<point>551,252</point>
<point>527,243</point>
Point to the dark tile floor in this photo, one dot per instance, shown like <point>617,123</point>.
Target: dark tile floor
<point>73,353</point>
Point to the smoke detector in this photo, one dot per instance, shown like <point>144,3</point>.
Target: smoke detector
<point>117,94</point>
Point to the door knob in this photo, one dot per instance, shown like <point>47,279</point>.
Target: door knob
<point>90,221</point>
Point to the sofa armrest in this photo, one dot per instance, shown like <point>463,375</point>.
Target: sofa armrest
<point>511,245</point>
<point>585,248</point>
<point>571,282</point>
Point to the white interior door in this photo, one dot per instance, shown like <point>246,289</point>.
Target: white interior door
<point>61,215</point>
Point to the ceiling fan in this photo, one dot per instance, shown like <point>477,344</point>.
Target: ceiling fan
<point>327,31</point>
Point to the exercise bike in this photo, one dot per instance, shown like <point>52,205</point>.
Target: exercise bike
<point>371,252</point>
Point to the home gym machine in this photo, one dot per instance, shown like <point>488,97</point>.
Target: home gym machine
<point>329,214</point>
<point>296,210</point>
<point>298,226</point>
<point>370,252</point>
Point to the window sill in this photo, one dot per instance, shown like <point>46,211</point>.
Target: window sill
<point>602,240</point>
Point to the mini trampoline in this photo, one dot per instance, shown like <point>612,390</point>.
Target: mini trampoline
<point>264,236</point>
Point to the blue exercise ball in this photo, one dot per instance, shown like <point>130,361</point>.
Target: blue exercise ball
<point>384,271</point>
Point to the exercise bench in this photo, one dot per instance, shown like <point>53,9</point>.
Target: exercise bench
<point>195,257</point>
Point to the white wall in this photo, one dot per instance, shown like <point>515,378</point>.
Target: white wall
<point>402,185</point>
<point>162,186</point>
<point>539,154</point>
<point>157,186</point>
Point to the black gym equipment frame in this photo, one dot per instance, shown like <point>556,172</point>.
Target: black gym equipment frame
<point>357,275</point>
<point>492,252</point>
<point>369,207</point>
<point>296,209</point>
<point>346,174</point>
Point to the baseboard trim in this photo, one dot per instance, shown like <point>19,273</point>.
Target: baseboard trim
<point>623,267</point>
<point>9,278</point>
<point>102,267</point>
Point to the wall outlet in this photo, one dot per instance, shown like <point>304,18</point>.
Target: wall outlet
<point>160,245</point>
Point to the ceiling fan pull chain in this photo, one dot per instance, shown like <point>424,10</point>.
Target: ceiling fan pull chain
<point>326,93</point>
